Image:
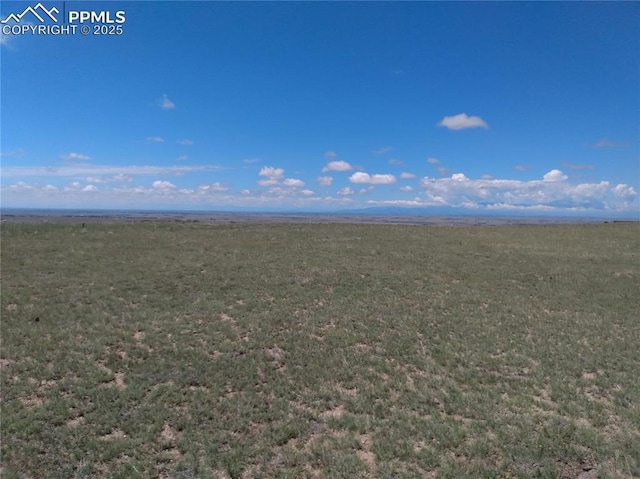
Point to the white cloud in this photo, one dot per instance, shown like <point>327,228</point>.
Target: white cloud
<point>4,39</point>
<point>272,175</point>
<point>165,103</point>
<point>406,188</point>
<point>433,161</point>
<point>293,182</point>
<point>325,180</point>
<point>185,142</point>
<point>383,150</point>
<point>330,155</point>
<point>163,185</point>
<point>155,139</point>
<point>462,121</point>
<point>396,162</point>
<point>575,166</point>
<point>624,191</point>
<point>214,187</point>
<point>604,143</point>
<point>337,166</point>
<point>96,170</point>
<point>361,177</point>
<point>443,171</point>
<point>109,179</point>
<point>551,192</point>
<point>554,175</point>
<point>345,191</point>
<point>407,176</point>
<point>182,158</point>
<point>537,196</point>
<point>75,156</point>
<point>12,154</point>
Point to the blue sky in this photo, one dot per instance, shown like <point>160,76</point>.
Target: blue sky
<point>507,107</point>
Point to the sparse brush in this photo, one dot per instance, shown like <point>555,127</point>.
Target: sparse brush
<point>329,350</point>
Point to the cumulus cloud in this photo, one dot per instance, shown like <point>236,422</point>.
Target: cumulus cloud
<point>552,191</point>
<point>165,103</point>
<point>554,175</point>
<point>272,175</point>
<point>155,139</point>
<point>337,166</point>
<point>433,161</point>
<point>75,156</point>
<point>407,176</point>
<point>406,188</point>
<point>345,191</point>
<point>163,185</point>
<point>325,180</point>
<point>185,142</point>
<point>293,182</point>
<point>462,121</point>
<point>330,155</point>
<point>362,177</point>
<point>624,191</point>
<point>89,188</point>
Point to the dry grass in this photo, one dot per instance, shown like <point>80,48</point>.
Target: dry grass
<point>187,350</point>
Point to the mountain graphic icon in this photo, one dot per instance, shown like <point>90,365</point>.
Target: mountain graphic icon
<point>39,11</point>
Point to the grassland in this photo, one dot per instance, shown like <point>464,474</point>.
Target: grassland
<point>185,350</point>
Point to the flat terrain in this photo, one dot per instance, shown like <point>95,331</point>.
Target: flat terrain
<point>184,349</point>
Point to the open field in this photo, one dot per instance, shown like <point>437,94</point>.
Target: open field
<point>182,350</point>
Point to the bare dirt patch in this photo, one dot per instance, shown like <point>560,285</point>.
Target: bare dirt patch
<point>335,412</point>
<point>117,382</point>
<point>365,454</point>
<point>32,402</point>
<point>276,356</point>
<point>5,363</point>
<point>169,434</point>
<point>115,434</point>
<point>75,422</point>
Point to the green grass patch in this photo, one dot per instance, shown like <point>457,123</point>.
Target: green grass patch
<point>187,350</point>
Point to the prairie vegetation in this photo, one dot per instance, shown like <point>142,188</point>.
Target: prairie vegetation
<point>185,350</point>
